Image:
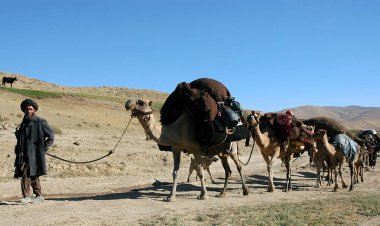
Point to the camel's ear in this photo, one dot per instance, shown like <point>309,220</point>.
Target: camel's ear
<point>150,103</point>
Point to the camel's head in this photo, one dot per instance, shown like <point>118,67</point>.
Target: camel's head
<point>311,128</point>
<point>140,107</point>
<point>320,134</point>
<point>254,118</point>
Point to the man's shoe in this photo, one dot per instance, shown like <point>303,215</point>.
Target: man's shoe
<point>26,199</point>
<point>38,199</point>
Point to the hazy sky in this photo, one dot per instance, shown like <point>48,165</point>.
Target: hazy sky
<point>272,55</point>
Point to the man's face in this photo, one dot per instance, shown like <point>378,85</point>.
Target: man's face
<point>29,111</point>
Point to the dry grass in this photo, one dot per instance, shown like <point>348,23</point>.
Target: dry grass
<point>342,210</point>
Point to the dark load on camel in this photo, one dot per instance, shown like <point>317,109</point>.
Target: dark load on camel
<point>287,127</point>
<point>217,114</point>
<point>369,134</point>
<point>332,128</point>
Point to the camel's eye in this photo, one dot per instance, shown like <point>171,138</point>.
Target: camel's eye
<point>140,103</point>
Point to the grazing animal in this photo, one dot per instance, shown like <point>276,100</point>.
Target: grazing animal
<point>337,158</point>
<point>206,162</point>
<point>181,136</point>
<point>10,80</point>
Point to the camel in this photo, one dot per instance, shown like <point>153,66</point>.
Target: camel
<point>270,147</point>
<point>359,166</point>
<point>322,161</point>
<point>206,162</point>
<point>337,158</point>
<point>181,136</point>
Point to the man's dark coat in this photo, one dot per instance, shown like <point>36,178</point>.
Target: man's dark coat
<point>34,138</point>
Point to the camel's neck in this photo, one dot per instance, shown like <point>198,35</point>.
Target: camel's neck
<point>260,139</point>
<point>329,148</point>
<point>179,134</point>
<point>151,127</point>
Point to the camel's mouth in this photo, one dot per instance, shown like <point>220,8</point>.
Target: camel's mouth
<point>129,105</point>
<point>139,107</point>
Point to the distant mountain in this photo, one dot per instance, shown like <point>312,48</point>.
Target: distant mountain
<point>353,117</point>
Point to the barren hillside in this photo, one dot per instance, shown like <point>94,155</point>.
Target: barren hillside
<point>353,117</point>
<point>127,187</point>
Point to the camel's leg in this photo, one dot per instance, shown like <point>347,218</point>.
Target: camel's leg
<point>190,172</point>
<point>367,161</point>
<point>336,179</point>
<point>191,169</point>
<point>271,186</point>
<point>177,162</point>
<point>330,175</point>
<point>239,168</point>
<point>228,172</point>
<point>200,173</point>
<point>209,173</point>
<point>319,180</point>
<point>344,184</point>
<point>350,164</point>
<point>270,163</point>
<point>361,170</point>
<point>356,175</point>
<point>288,185</point>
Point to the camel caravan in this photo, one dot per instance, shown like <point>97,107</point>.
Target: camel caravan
<point>203,119</point>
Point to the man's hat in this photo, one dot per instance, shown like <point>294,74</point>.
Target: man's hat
<point>28,102</point>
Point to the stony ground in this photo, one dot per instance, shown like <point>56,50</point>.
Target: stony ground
<point>131,184</point>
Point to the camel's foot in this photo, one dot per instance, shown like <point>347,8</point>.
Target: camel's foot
<point>351,188</point>
<point>221,194</point>
<point>335,188</point>
<point>170,199</point>
<point>344,186</point>
<point>245,191</point>
<point>287,188</point>
<point>318,185</point>
<point>270,189</point>
<point>203,197</point>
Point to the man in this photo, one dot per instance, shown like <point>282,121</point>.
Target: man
<point>34,137</point>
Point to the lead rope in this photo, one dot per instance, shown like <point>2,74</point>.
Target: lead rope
<point>250,155</point>
<point>94,160</point>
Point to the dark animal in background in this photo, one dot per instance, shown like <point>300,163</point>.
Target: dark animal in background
<point>8,80</point>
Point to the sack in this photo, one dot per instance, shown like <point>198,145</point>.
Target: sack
<point>234,105</point>
<point>229,118</point>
